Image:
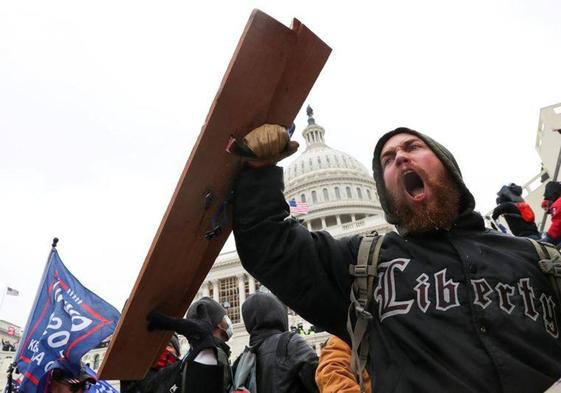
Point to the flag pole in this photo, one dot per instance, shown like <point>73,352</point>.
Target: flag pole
<point>23,336</point>
<point>4,290</point>
<point>10,376</point>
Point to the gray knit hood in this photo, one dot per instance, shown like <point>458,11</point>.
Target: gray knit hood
<point>206,309</point>
<point>467,202</point>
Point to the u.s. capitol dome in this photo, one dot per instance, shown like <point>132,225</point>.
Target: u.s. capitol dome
<point>339,190</point>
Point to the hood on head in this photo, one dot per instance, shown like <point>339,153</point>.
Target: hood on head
<point>262,312</point>
<point>467,202</point>
<point>206,309</point>
<point>552,191</point>
<point>510,193</point>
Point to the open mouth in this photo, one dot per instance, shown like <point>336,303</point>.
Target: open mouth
<point>414,185</point>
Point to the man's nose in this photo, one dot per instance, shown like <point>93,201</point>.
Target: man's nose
<point>401,157</point>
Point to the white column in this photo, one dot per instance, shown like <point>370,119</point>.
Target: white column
<point>323,224</point>
<point>353,218</point>
<point>338,219</point>
<point>251,284</point>
<point>206,292</point>
<point>215,294</point>
<point>241,291</point>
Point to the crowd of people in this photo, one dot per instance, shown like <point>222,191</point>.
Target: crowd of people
<point>443,304</point>
<point>275,360</point>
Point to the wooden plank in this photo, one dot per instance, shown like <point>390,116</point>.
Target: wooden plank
<point>270,75</point>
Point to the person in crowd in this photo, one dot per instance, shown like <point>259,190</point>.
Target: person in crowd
<point>284,361</point>
<point>206,367</point>
<point>518,214</point>
<point>334,373</point>
<point>164,369</point>
<point>8,346</point>
<point>61,381</point>
<point>456,307</point>
<point>552,205</point>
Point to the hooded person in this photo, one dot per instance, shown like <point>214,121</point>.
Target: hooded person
<point>455,304</point>
<point>211,311</point>
<point>285,362</point>
<point>206,366</point>
<point>552,205</point>
<point>518,214</point>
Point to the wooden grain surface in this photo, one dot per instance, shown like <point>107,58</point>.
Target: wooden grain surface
<point>270,75</point>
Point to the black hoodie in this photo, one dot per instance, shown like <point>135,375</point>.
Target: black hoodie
<point>464,310</point>
<point>263,315</point>
<point>290,369</point>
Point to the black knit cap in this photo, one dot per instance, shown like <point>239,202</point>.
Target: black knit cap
<point>214,311</point>
<point>510,193</point>
<point>467,202</point>
<point>552,191</point>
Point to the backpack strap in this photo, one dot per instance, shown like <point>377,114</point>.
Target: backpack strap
<point>550,264</point>
<point>244,378</point>
<point>362,291</point>
<point>282,345</point>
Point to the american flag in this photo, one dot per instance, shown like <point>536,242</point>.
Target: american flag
<point>12,291</point>
<point>298,207</point>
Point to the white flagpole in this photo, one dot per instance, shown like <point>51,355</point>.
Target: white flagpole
<point>43,276</point>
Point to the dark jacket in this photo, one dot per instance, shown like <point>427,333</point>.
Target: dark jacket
<point>197,378</point>
<point>223,357</point>
<point>519,217</point>
<point>290,369</point>
<point>465,310</point>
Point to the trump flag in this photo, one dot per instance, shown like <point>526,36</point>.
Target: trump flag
<point>67,320</point>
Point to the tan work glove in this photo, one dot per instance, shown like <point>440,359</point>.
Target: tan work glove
<point>270,143</point>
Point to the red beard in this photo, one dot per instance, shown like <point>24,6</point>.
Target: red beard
<point>439,212</point>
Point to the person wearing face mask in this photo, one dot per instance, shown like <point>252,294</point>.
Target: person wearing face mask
<point>161,373</point>
<point>206,367</point>
<point>222,330</point>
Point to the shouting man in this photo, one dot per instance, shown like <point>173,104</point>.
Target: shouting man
<point>457,307</point>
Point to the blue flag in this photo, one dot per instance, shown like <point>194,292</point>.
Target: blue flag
<point>67,320</point>
<point>99,386</point>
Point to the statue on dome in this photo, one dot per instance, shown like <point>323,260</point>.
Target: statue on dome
<point>310,113</point>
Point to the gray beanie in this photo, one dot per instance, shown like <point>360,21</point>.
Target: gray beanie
<point>467,202</point>
<point>207,309</point>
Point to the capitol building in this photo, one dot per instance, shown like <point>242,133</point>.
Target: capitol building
<point>342,199</point>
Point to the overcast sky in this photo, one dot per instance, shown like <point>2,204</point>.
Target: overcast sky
<point>101,102</point>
